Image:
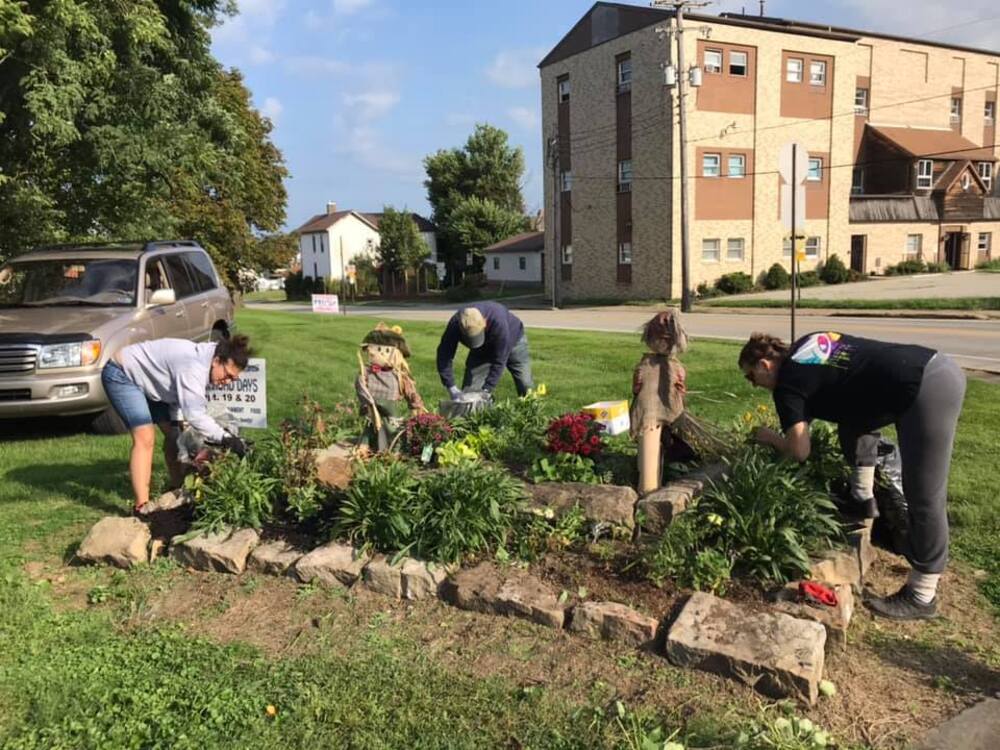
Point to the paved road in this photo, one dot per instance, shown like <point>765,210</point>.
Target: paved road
<point>922,286</point>
<point>975,344</point>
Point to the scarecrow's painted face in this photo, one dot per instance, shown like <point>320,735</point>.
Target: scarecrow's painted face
<point>382,355</point>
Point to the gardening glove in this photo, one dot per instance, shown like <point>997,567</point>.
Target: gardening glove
<point>235,445</point>
<point>454,392</point>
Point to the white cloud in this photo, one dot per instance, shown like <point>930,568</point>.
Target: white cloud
<point>515,69</point>
<point>265,12</point>
<point>524,117</point>
<point>272,109</point>
<point>312,65</point>
<point>261,55</point>
<point>940,22</point>
<point>371,105</point>
<point>346,7</point>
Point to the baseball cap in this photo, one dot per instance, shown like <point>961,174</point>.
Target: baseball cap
<point>473,327</point>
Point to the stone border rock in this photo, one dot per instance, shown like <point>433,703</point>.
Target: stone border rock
<point>660,507</point>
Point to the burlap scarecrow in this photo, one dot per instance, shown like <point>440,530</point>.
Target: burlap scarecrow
<point>386,389</point>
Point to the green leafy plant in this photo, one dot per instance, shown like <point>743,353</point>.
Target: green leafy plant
<point>564,467</point>
<point>464,509</point>
<point>989,265</point>
<point>834,271</point>
<point>810,278</point>
<point>381,505</point>
<point>783,733</point>
<point>455,452</point>
<point>681,554</point>
<point>233,494</point>
<point>776,277</point>
<point>734,283</point>
<point>515,428</point>
<point>825,468</point>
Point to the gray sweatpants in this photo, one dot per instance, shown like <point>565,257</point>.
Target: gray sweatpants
<point>926,434</point>
<point>477,368</point>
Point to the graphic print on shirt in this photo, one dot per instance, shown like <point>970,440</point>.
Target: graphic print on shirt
<point>823,349</point>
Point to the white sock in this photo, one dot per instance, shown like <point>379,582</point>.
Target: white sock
<point>923,585</point>
<point>863,482</point>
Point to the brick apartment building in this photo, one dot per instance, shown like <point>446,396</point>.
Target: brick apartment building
<point>900,134</point>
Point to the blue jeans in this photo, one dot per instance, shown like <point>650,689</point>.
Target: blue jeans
<point>477,369</point>
<point>130,401</point>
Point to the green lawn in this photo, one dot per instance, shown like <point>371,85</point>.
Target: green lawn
<point>100,676</point>
<point>935,303</point>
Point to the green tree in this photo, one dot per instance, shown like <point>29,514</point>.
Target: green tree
<point>475,193</point>
<point>116,122</point>
<point>401,248</point>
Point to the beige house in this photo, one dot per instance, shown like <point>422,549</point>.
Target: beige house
<point>900,135</point>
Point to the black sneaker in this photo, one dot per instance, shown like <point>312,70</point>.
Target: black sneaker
<point>902,605</point>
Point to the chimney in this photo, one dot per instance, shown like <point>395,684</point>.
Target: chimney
<point>331,207</point>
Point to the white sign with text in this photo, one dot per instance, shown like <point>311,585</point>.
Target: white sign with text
<point>244,400</point>
<point>326,303</point>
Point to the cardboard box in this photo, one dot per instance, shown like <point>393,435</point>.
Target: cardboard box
<point>612,414</point>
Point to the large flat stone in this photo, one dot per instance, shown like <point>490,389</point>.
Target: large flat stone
<point>382,577</point>
<point>613,622</point>
<point>600,503</point>
<point>660,507</point>
<point>835,619</point>
<point>860,540</point>
<point>836,567</point>
<point>225,551</point>
<point>423,580</point>
<point>976,728</point>
<point>274,558</point>
<point>334,466</point>
<point>116,540</point>
<point>334,564</point>
<point>485,589</point>
<point>777,654</point>
<point>172,500</point>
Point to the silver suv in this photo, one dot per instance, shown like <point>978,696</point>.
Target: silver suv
<point>65,311</point>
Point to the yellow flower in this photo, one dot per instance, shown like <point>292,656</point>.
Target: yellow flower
<point>762,408</point>
<point>271,710</point>
<point>541,390</point>
<point>714,518</point>
<point>748,417</point>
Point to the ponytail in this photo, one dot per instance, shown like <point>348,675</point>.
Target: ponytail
<point>235,349</point>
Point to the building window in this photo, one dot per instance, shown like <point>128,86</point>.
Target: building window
<point>857,181</point>
<point>860,101</point>
<point>734,248</point>
<point>522,263</point>
<point>914,245</point>
<point>314,242</point>
<point>786,247</point>
<point>564,90</point>
<point>925,171</point>
<point>817,73</point>
<point>737,165</point>
<point>812,248</point>
<point>625,176</point>
<point>793,70</point>
<point>322,247</point>
<point>624,75</point>
<point>566,181</point>
<point>990,112</point>
<point>710,251</point>
<point>986,173</point>
<point>956,109</point>
<point>815,173</point>
<point>625,253</point>
<point>496,264</point>
<point>966,181</point>
<point>713,61</point>
<point>985,241</point>
<point>738,64</point>
<point>710,165</point>
<point>567,255</point>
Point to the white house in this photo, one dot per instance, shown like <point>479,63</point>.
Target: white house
<point>331,241</point>
<point>516,260</point>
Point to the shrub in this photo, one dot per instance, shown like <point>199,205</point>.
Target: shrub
<point>425,431</point>
<point>516,428</point>
<point>461,294</point>
<point>464,509</point>
<point>734,283</point>
<point>834,271</point>
<point>825,468</point>
<point>680,554</point>
<point>381,505</point>
<point>564,467</point>
<point>704,291</point>
<point>989,265</point>
<point>232,495</point>
<point>574,433</point>
<point>853,276</point>
<point>936,266</point>
<point>776,278</point>
<point>906,267</point>
<point>809,278</point>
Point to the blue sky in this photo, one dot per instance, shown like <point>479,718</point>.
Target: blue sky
<point>359,91</point>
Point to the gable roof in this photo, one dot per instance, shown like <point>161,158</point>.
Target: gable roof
<point>526,242</point>
<point>951,175</point>
<point>322,222</point>
<point>933,143</point>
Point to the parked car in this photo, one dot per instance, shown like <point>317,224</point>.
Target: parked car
<point>270,282</point>
<point>65,311</point>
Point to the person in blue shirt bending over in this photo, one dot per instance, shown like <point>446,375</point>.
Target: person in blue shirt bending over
<point>496,341</point>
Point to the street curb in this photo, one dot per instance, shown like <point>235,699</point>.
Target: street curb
<point>835,312</point>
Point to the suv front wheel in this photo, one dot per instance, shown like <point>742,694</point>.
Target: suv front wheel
<point>108,423</point>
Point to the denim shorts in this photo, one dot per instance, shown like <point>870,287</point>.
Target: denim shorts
<point>130,400</point>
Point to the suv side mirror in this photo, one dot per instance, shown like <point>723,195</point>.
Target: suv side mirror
<point>162,297</point>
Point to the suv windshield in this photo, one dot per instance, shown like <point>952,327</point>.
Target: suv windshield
<point>90,281</point>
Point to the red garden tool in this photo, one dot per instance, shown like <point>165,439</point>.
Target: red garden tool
<point>814,593</point>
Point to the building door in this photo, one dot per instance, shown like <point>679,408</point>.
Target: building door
<point>858,243</point>
<point>953,249</point>
<point>963,257</point>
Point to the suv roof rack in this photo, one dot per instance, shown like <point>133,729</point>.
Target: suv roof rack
<point>142,245</point>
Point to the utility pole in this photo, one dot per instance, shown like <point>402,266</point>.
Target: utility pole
<point>682,72</point>
<point>553,155</point>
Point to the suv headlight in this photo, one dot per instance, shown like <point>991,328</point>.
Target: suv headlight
<point>75,354</point>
